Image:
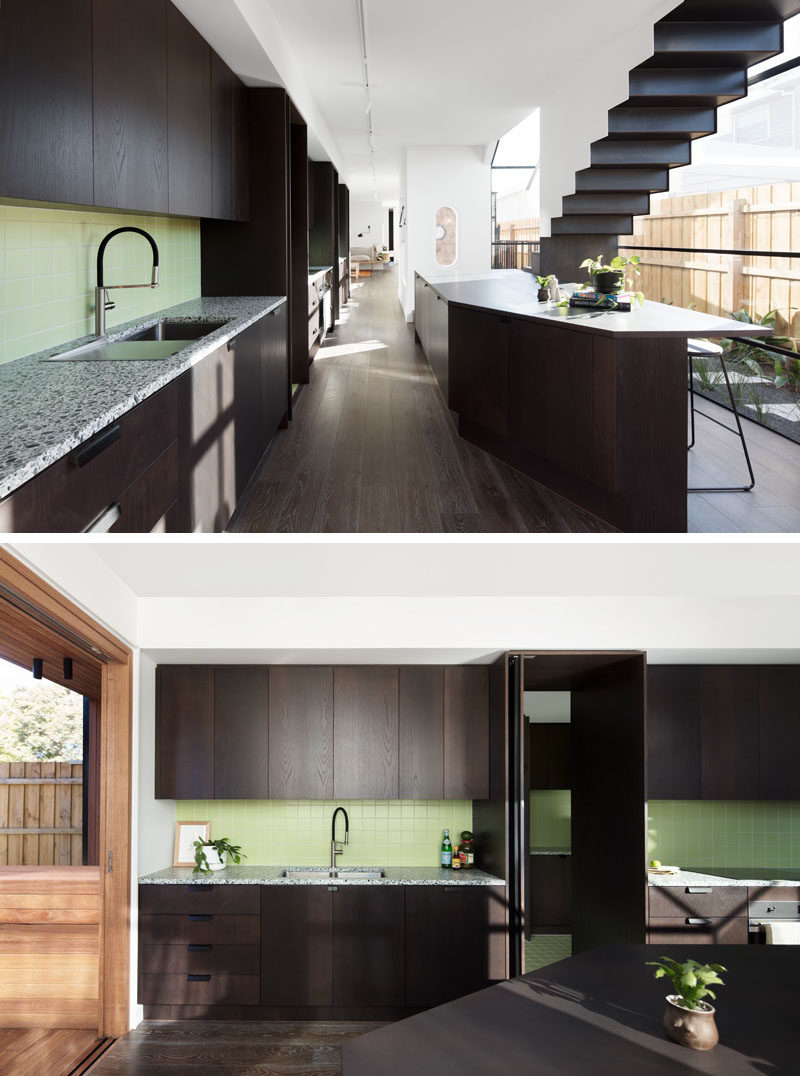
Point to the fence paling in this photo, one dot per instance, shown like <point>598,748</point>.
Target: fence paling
<point>41,813</point>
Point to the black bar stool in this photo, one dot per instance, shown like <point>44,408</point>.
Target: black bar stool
<point>704,349</point>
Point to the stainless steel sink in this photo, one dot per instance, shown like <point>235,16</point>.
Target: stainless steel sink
<point>159,341</point>
<point>177,330</point>
<point>365,874</point>
<point>342,874</point>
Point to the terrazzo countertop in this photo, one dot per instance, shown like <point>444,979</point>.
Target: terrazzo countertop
<point>49,408</point>
<point>551,851</point>
<point>687,878</point>
<point>255,875</point>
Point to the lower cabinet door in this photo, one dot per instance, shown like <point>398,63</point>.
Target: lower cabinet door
<point>697,930</point>
<point>274,372</point>
<point>368,942</point>
<point>455,941</point>
<point>198,989</point>
<point>295,945</point>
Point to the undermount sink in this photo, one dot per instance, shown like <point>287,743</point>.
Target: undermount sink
<point>159,341</point>
<point>342,874</point>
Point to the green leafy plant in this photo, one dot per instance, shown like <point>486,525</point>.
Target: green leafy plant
<point>222,846</point>
<point>787,369</point>
<point>691,980</point>
<point>618,264</point>
<point>545,281</point>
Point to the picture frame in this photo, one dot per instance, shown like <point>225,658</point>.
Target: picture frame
<point>186,833</point>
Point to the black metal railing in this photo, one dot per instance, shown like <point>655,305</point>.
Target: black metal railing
<point>514,253</point>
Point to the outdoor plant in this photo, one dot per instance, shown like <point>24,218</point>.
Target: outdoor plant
<point>787,369</point>
<point>222,846</point>
<point>691,981</point>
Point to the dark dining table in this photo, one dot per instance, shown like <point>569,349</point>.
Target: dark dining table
<point>598,1014</point>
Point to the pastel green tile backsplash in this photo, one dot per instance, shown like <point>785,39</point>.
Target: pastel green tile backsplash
<point>298,832</point>
<point>717,833</point>
<point>48,258</point>
<point>551,812</point>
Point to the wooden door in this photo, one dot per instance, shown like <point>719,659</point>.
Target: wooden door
<point>189,117</point>
<point>421,721</point>
<point>296,952</point>
<point>184,732</point>
<point>368,946</point>
<point>550,755</point>
<point>478,368</point>
<point>46,100</point>
<point>241,760</point>
<point>365,732</point>
<point>466,731</point>
<point>673,731</point>
<point>729,732</point>
<point>609,886</point>
<point>549,907</point>
<point>129,46</point>
<point>779,731</point>
<point>301,732</point>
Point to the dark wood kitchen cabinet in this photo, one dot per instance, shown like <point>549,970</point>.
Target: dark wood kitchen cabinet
<point>247,367</point>
<point>466,732</point>
<point>229,151</point>
<point>46,100</point>
<point>478,367</point>
<point>184,732</point>
<point>421,725</point>
<point>129,48</point>
<point>296,946</point>
<point>550,885</point>
<point>241,737</point>
<point>188,118</point>
<point>697,915</point>
<point>301,732</point>
<point>674,699</point>
<point>779,731</point>
<point>455,941</point>
<point>728,733</point>
<point>365,732</point>
<point>275,373</point>
<point>550,759</point>
<point>368,931</point>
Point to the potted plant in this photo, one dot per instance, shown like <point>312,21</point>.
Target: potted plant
<point>608,279</point>
<point>688,1019</point>
<point>544,282</point>
<point>213,855</point>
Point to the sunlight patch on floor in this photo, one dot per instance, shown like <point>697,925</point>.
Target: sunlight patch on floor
<point>333,351</point>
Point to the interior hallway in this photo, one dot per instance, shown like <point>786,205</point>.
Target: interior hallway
<point>372,447</point>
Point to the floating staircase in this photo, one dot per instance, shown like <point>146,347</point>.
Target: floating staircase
<point>702,50</point>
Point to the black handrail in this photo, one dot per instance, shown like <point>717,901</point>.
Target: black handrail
<point>714,250</point>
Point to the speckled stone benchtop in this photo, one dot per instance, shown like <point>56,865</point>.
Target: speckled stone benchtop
<point>49,408</point>
<point>272,876</point>
<point>687,878</point>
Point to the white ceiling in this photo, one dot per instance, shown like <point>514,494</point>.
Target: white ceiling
<point>449,72</point>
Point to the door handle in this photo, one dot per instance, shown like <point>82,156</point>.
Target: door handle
<point>698,889</point>
<point>698,922</point>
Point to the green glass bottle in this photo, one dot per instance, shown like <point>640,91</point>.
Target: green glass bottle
<point>447,850</point>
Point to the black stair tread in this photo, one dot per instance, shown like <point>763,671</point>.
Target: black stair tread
<point>678,85</point>
<point>623,178</point>
<point>757,10</point>
<point>621,152</point>
<point>593,224</point>
<point>654,122</point>
<point>635,202</point>
<point>717,36</point>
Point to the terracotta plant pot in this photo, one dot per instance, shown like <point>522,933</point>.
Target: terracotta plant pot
<point>609,281</point>
<point>543,295</point>
<point>694,1028</point>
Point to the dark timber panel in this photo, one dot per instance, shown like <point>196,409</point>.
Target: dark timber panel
<point>365,732</point>
<point>368,945</point>
<point>184,732</point>
<point>729,746</point>
<point>466,731</point>
<point>240,732</point>
<point>673,731</point>
<point>422,741</point>
<point>301,732</point>
<point>779,731</point>
<point>189,117</point>
<point>296,945</point>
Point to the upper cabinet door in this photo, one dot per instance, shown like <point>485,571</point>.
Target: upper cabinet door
<point>241,701</point>
<point>466,732</point>
<point>421,705</point>
<point>184,732</point>
<point>189,117</point>
<point>673,731</point>
<point>46,100</point>
<point>779,731</point>
<point>301,732</point>
<point>229,151</point>
<point>130,104</point>
<point>729,732</point>
<point>365,732</point>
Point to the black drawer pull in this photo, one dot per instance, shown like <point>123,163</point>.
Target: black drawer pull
<point>199,948</point>
<point>505,321</point>
<point>198,978</point>
<point>200,918</point>
<point>87,452</point>
<point>232,344</point>
<point>698,922</point>
<point>698,889</point>
<point>200,887</point>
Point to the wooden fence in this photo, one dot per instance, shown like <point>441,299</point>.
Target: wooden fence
<point>756,218</point>
<point>41,814</point>
<point>519,230</point>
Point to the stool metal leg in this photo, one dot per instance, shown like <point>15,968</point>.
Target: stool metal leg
<point>691,400</point>
<point>737,432</point>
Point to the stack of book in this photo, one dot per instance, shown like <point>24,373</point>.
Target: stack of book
<point>588,297</point>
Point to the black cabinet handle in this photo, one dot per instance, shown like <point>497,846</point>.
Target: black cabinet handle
<point>85,453</point>
<point>199,948</point>
<point>200,918</point>
<point>505,321</point>
<point>699,922</point>
<point>232,344</point>
<point>200,887</point>
<point>698,889</point>
<point>198,978</point>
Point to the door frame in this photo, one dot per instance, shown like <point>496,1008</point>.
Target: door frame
<point>48,611</point>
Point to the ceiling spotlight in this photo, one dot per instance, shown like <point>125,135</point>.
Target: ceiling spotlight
<point>67,668</point>
<point>37,668</point>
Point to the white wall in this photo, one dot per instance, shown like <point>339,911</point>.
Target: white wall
<point>365,215</point>
<point>446,176</point>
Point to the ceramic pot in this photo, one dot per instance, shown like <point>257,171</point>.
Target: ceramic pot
<point>543,295</point>
<point>694,1028</point>
<point>608,281</point>
<point>215,861</point>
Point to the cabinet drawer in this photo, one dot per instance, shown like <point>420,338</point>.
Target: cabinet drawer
<point>695,900</point>
<point>705,931</point>
<point>145,505</point>
<point>221,989</point>
<point>75,490</point>
<point>199,929</point>
<point>202,898</point>
<point>313,332</point>
<point>198,958</point>
<point>774,892</point>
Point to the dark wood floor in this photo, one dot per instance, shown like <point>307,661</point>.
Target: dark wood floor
<point>228,1048</point>
<point>46,1051</point>
<point>372,447</point>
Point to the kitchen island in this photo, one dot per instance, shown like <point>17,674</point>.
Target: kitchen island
<point>591,404</point>
<point>597,1013</point>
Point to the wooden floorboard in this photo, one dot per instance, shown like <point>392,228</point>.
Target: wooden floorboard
<point>230,1048</point>
<point>373,448</point>
<point>44,1051</point>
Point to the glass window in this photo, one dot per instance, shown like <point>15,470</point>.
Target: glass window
<point>446,235</point>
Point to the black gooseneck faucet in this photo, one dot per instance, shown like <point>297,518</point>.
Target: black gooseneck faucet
<point>334,850</point>
<point>101,303</point>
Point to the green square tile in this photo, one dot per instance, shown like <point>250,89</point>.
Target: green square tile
<point>18,263</point>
